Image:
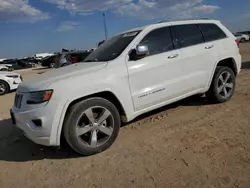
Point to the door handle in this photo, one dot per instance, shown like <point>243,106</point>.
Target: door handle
<point>173,56</point>
<point>209,47</point>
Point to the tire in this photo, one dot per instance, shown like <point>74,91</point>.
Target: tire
<point>223,85</point>
<point>243,40</point>
<point>51,65</point>
<point>82,133</point>
<point>4,87</point>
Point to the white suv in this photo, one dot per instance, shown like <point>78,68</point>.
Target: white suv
<point>242,37</point>
<point>132,73</point>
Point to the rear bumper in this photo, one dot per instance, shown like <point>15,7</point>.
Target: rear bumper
<point>238,63</point>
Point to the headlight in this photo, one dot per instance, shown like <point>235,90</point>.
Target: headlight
<point>12,76</point>
<point>39,97</point>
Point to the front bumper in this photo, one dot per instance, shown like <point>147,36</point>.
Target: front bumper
<point>38,122</point>
<point>23,121</point>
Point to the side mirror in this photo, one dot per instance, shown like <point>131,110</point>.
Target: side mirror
<point>142,50</point>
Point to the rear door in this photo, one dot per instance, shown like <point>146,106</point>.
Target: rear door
<point>197,57</point>
<point>217,46</point>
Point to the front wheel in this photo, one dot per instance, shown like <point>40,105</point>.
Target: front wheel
<point>223,85</point>
<point>92,126</point>
<point>3,88</point>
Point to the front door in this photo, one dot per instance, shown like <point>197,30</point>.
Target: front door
<point>154,78</point>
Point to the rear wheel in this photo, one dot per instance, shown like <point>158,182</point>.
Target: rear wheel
<point>4,88</point>
<point>92,126</point>
<point>223,85</point>
<point>52,65</point>
<point>243,40</point>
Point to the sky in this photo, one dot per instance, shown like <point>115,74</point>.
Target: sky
<point>28,27</point>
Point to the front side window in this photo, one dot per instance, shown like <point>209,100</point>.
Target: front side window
<point>186,35</point>
<point>158,41</point>
<point>211,32</point>
<point>112,48</point>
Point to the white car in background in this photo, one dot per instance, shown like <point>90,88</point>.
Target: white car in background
<point>9,81</point>
<point>242,37</point>
<point>4,68</point>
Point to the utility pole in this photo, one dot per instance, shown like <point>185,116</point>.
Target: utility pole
<point>105,25</point>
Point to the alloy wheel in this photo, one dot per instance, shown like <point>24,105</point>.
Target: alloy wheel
<point>225,84</point>
<point>2,88</point>
<point>95,126</point>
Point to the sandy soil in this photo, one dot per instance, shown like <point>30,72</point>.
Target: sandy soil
<point>188,144</point>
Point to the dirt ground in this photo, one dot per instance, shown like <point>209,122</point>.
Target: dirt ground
<point>188,144</point>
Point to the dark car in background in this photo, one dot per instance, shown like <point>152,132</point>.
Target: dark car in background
<point>15,64</point>
<point>30,60</point>
<point>68,58</point>
<point>50,61</point>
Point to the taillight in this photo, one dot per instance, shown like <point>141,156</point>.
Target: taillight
<point>237,42</point>
<point>74,59</point>
<point>57,60</point>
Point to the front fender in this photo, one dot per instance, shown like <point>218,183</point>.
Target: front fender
<point>65,103</point>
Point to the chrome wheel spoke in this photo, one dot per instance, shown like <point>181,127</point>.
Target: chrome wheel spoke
<point>227,77</point>
<point>229,85</point>
<point>225,92</point>
<point>221,78</point>
<point>104,116</point>
<point>220,89</point>
<point>2,88</point>
<point>93,139</point>
<point>106,130</point>
<point>90,115</point>
<point>83,130</point>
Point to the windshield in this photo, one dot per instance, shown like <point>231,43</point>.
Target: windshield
<point>112,48</point>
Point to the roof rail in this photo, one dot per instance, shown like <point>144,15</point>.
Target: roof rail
<point>163,21</point>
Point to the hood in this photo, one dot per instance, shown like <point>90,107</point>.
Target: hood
<point>44,80</point>
<point>8,73</point>
<point>7,65</point>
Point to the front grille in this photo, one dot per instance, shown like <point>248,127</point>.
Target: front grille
<point>18,100</point>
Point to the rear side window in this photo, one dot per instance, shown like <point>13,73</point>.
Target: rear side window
<point>158,41</point>
<point>211,32</point>
<point>186,35</point>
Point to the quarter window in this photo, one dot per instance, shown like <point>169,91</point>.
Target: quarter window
<point>158,41</point>
<point>186,35</point>
<point>211,32</point>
